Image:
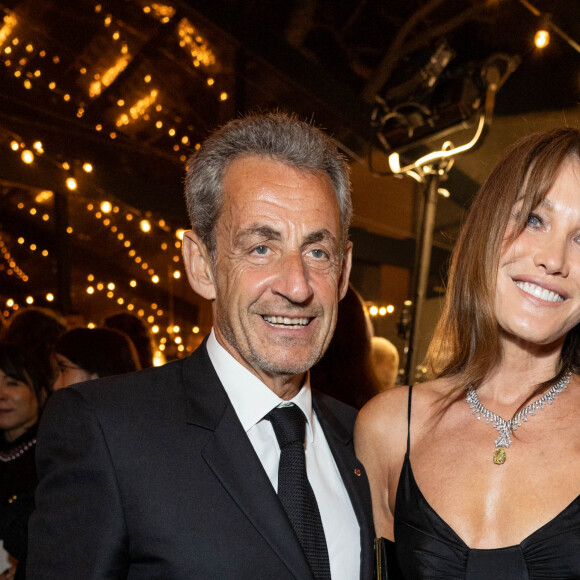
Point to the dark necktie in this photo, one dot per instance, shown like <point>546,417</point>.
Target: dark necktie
<point>294,489</point>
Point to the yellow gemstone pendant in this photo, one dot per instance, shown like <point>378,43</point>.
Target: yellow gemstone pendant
<point>499,456</point>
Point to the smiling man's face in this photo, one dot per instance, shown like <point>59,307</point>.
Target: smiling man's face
<point>279,271</point>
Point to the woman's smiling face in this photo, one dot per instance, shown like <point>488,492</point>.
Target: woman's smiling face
<point>538,283</point>
<point>18,407</point>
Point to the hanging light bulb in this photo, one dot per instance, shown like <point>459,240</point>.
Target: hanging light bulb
<point>27,156</point>
<point>542,37</point>
<point>43,196</point>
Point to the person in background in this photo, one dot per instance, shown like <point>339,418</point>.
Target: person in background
<point>459,490</point>
<point>36,330</point>
<point>23,390</point>
<point>385,359</point>
<point>83,354</point>
<point>75,319</point>
<point>137,331</point>
<point>226,463</point>
<point>346,370</point>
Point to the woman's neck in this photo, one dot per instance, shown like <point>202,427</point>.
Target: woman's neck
<point>522,368</point>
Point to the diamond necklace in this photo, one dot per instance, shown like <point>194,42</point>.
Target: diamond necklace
<point>506,428</point>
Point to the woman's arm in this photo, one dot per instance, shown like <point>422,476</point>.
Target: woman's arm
<point>380,443</point>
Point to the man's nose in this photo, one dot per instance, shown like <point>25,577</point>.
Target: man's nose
<point>293,279</point>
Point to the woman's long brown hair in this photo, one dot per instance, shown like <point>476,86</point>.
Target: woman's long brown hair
<point>466,341</point>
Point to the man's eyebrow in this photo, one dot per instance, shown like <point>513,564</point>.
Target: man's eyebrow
<point>256,231</point>
<point>320,236</point>
<point>269,233</point>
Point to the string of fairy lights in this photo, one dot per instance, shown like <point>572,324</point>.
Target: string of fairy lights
<point>94,287</point>
<point>116,218</point>
<point>13,268</point>
<point>380,310</point>
<point>111,217</point>
<point>30,63</point>
<point>37,68</point>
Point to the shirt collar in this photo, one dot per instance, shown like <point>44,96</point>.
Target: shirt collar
<point>251,398</point>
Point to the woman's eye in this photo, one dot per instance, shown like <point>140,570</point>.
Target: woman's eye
<point>534,220</point>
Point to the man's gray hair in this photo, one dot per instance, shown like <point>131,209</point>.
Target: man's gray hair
<point>276,136</point>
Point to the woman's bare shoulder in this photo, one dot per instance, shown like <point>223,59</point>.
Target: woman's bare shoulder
<point>390,407</point>
<point>385,416</point>
<point>430,392</point>
<point>380,438</point>
<point>381,425</point>
<point>384,408</point>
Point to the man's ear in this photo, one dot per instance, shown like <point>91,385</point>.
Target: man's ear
<point>345,271</point>
<point>198,266</point>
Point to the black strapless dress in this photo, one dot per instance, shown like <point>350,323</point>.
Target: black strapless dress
<point>427,547</point>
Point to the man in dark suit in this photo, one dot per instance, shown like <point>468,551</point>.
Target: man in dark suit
<point>173,472</point>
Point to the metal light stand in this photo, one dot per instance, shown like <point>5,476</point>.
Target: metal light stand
<point>432,178</point>
<point>428,170</point>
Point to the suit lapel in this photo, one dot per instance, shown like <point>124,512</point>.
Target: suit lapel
<point>231,457</point>
<point>354,477</point>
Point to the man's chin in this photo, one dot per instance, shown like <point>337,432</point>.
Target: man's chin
<point>282,369</point>
<point>288,365</point>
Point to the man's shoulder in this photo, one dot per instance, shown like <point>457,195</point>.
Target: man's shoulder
<point>148,403</point>
<point>147,390</point>
<point>143,381</point>
<point>328,405</point>
<point>171,374</point>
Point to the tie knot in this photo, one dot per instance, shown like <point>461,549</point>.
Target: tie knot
<point>289,423</point>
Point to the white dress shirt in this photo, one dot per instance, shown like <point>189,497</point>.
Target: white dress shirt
<point>252,400</point>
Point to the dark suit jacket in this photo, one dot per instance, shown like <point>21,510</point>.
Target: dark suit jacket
<point>151,475</point>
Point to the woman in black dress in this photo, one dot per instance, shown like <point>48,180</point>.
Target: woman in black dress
<point>505,356</point>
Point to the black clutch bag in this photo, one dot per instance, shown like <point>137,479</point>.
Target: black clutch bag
<point>386,566</point>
